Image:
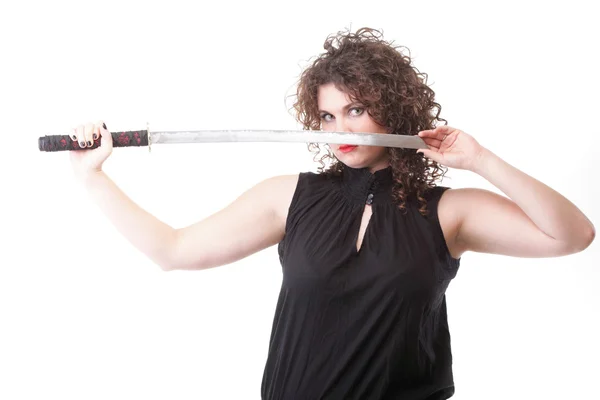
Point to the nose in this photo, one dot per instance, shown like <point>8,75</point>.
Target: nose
<point>341,125</point>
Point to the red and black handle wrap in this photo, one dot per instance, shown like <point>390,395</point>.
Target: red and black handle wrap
<point>120,139</point>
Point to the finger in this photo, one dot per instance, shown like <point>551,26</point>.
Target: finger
<point>433,155</point>
<point>89,132</point>
<point>98,126</point>
<point>439,132</point>
<point>434,145</point>
<point>73,134</point>
<point>80,136</point>
<point>433,142</point>
<point>96,131</point>
<point>426,133</point>
<point>106,135</point>
<point>424,152</point>
<point>443,129</point>
<point>431,134</point>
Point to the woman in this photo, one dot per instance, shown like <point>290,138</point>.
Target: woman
<point>369,244</point>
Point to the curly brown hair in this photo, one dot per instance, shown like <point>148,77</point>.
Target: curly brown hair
<point>394,93</point>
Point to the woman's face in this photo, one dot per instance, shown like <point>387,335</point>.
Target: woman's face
<point>340,114</point>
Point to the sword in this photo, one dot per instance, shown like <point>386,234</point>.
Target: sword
<point>147,138</point>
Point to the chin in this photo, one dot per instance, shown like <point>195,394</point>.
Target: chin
<point>357,160</point>
<point>352,162</point>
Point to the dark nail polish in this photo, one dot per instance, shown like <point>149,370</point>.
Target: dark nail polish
<point>81,144</point>
<point>104,126</point>
<point>95,136</point>
<point>89,143</point>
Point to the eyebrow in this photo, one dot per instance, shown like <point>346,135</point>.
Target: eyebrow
<point>346,107</point>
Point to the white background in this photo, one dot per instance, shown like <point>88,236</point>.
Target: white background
<point>85,316</point>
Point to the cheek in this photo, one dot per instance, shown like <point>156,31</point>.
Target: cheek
<point>374,151</point>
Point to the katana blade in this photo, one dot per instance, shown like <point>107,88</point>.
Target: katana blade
<point>148,138</point>
<point>289,136</point>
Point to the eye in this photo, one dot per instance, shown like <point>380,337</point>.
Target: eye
<point>358,110</point>
<point>326,117</point>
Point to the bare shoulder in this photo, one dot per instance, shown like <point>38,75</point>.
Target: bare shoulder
<point>453,209</point>
<point>280,190</point>
<point>253,222</point>
<point>450,209</point>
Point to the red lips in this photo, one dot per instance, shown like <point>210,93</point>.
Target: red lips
<point>347,148</point>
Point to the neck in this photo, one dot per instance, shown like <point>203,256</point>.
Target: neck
<point>372,181</point>
<point>378,166</point>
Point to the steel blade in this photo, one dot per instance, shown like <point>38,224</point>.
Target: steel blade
<point>351,138</point>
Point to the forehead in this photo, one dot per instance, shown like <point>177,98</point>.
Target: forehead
<point>330,97</point>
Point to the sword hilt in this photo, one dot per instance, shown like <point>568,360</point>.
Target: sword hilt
<point>120,139</point>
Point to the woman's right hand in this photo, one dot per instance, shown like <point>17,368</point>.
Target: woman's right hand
<point>88,161</point>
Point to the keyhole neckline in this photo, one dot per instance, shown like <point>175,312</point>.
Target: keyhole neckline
<point>363,187</point>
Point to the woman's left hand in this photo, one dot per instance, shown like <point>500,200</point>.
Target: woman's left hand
<point>451,147</point>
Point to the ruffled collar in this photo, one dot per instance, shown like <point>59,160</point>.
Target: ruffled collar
<point>364,187</point>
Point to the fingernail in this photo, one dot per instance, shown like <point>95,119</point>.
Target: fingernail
<point>95,136</point>
<point>81,144</point>
<point>89,143</point>
<point>104,126</point>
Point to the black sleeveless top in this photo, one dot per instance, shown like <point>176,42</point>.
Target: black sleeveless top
<point>368,324</point>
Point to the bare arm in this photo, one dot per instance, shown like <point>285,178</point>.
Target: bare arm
<point>535,221</point>
<point>254,221</point>
<point>147,233</point>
